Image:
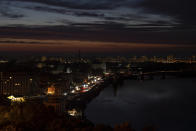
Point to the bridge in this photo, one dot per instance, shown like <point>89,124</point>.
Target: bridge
<point>149,75</point>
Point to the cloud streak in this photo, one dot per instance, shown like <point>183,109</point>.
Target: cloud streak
<point>86,4</point>
<point>183,10</point>
<point>86,11</point>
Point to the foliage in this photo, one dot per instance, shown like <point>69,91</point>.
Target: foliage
<point>37,117</point>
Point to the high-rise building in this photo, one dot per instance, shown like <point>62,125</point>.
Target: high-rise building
<point>16,83</point>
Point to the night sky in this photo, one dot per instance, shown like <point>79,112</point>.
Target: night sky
<point>131,27</point>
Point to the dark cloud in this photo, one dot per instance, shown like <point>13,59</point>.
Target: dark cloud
<point>65,11</point>
<point>48,9</point>
<point>83,4</point>
<point>18,42</point>
<point>10,14</point>
<point>104,26</point>
<point>127,17</point>
<point>183,10</point>
<point>89,14</point>
<point>86,13</point>
<point>5,11</point>
<point>109,10</point>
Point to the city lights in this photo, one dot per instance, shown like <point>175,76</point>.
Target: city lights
<point>51,90</point>
<point>72,112</point>
<point>16,99</point>
<point>73,91</point>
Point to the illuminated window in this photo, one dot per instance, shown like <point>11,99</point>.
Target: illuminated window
<point>51,90</point>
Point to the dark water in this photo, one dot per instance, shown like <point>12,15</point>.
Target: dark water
<point>169,105</point>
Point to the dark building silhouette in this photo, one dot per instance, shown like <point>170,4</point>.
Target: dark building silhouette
<point>17,84</point>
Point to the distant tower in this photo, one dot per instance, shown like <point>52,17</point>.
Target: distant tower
<point>193,58</point>
<point>79,55</point>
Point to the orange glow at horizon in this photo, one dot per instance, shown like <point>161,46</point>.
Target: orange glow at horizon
<point>10,44</point>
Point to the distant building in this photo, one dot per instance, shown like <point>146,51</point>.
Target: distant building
<point>170,59</point>
<point>193,59</point>
<point>58,70</point>
<point>99,66</point>
<point>58,86</point>
<point>43,58</point>
<point>17,84</point>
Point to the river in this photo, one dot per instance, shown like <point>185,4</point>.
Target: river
<point>168,104</point>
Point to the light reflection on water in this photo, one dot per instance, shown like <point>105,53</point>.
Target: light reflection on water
<point>168,104</point>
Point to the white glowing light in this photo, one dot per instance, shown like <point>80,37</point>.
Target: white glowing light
<point>73,91</point>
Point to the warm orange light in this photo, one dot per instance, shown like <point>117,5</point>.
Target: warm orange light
<point>86,46</point>
<point>51,90</point>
